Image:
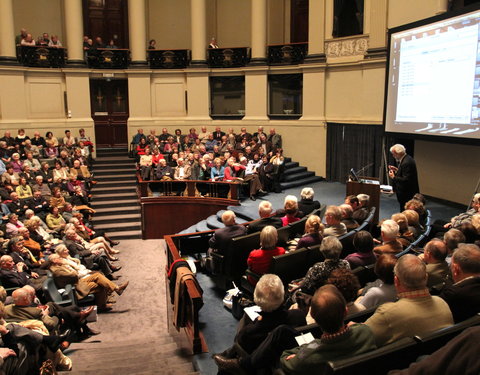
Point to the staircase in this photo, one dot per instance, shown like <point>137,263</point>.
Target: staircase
<point>295,175</point>
<point>114,197</point>
<point>159,355</point>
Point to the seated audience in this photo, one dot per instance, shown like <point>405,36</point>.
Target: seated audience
<point>416,312</point>
<point>259,260</point>
<point>463,296</point>
<point>306,203</point>
<point>24,190</point>
<point>338,341</point>
<point>269,296</point>
<point>265,211</point>
<point>313,232</point>
<point>405,237</point>
<point>220,240</point>
<point>452,238</point>
<point>390,243</point>
<point>70,271</point>
<point>333,218</point>
<point>417,205</point>
<point>347,284</point>
<point>434,256</point>
<point>347,218</point>
<point>413,220</point>
<point>383,289</point>
<point>363,255</point>
<point>331,248</point>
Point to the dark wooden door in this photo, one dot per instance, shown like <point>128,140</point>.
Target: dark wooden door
<point>109,103</point>
<point>299,21</point>
<point>107,19</point>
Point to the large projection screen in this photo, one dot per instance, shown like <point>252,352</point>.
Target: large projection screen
<point>433,78</point>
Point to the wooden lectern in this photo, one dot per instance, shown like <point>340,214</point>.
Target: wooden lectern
<point>369,188</point>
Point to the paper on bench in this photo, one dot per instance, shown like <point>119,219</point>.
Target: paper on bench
<point>252,312</point>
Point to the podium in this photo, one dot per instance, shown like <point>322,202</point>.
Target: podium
<point>369,186</point>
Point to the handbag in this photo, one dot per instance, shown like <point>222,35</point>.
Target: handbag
<point>239,302</point>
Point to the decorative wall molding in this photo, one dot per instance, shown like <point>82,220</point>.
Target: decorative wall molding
<point>355,46</point>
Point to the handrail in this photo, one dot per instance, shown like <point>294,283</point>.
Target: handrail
<point>190,187</point>
<point>195,302</point>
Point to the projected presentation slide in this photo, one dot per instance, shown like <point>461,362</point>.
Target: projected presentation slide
<point>434,79</point>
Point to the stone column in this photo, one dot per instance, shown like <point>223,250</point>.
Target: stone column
<point>74,28</point>
<point>137,31</point>
<point>375,25</point>
<point>7,41</point>
<point>259,31</point>
<point>199,32</point>
<point>316,31</point>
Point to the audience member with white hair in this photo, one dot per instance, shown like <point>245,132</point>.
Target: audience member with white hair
<point>291,210</point>
<point>269,295</point>
<point>333,218</point>
<point>306,203</point>
<point>265,211</point>
<point>390,243</point>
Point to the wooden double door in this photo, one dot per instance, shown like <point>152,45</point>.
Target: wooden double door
<point>109,104</point>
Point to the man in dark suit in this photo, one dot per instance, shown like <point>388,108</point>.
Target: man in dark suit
<point>222,237</point>
<point>404,176</point>
<point>265,211</point>
<point>218,134</point>
<point>463,297</point>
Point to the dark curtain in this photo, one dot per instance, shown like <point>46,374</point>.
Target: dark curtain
<point>353,146</point>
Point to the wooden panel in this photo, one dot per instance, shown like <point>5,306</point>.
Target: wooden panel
<point>373,190</point>
<point>160,215</point>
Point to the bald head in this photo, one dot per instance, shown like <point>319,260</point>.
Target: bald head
<point>21,297</point>
<point>436,251</point>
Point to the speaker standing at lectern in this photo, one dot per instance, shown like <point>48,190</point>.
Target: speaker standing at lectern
<point>404,175</point>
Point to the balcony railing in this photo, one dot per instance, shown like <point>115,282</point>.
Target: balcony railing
<point>169,59</point>
<point>108,58</point>
<point>228,57</point>
<point>287,54</point>
<point>40,56</point>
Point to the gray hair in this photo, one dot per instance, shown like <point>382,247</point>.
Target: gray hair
<point>307,193</point>
<point>390,229</point>
<point>398,149</point>
<point>331,247</point>
<point>269,293</point>
<point>467,256</point>
<point>264,208</point>
<point>228,218</point>
<point>411,272</point>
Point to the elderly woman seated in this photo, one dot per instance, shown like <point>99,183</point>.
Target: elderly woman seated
<point>269,296</point>
<point>313,232</point>
<point>291,210</point>
<point>307,204</point>
<point>331,248</point>
<point>68,270</point>
<point>364,256</point>
<point>259,260</point>
<point>333,218</point>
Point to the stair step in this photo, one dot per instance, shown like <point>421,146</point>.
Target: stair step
<point>115,166</point>
<point>240,213</point>
<point>117,171</point>
<point>123,178</point>
<point>213,222</point>
<point>291,164</point>
<point>202,226</point>
<point>126,235</point>
<point>115,196</point>
<point>113,183</point>
<point>298,176</point>
<point>302,182</point>
<point>294,170</point>
<point>116,210</point>
<point>119,218</point>
<point>101,189</point>
<point>119,227</point>
<point>117,203</point>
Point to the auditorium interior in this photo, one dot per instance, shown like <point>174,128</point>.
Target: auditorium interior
<point>314,70</point>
